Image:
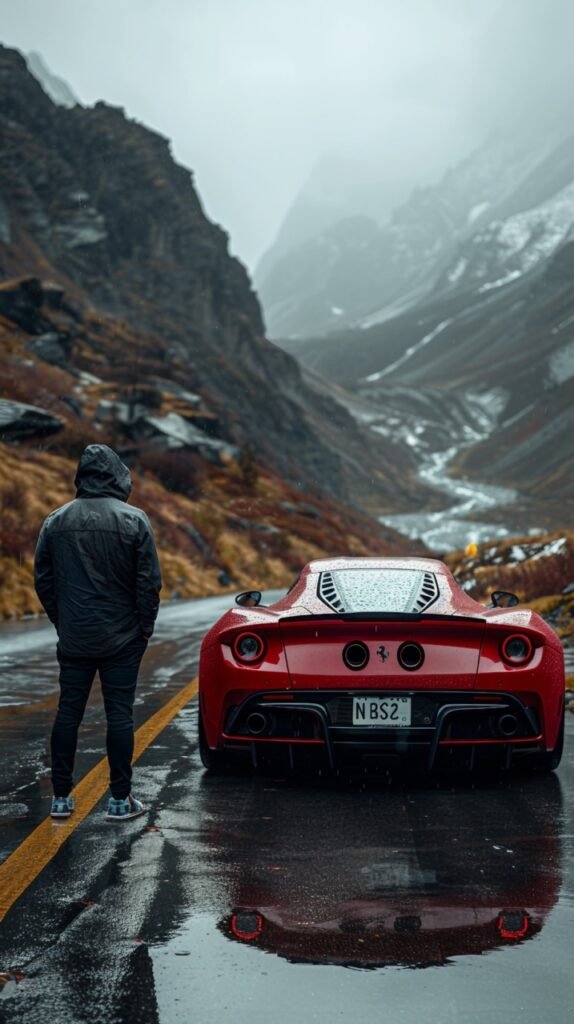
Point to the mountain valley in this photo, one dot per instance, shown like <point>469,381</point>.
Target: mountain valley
<point>475,377</point>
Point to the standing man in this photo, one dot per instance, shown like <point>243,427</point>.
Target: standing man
<point>97,575</point>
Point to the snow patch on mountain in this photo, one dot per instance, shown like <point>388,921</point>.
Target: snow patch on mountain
<point>518,416</point>
<point>533,552</point>
<point>410,352</point>
<point>488,405</point>
<point>504,250</point>
<point>458,271</point>
<point>556,547</point>
<point>561,364</point>
<point>477,210</point>
<point>536,233</point>
<point>511,276</point>
<point>563,323</point>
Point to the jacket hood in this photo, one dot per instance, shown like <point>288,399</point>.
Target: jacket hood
<point>102,474</point>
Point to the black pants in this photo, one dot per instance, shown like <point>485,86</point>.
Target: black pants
<point>118,676</point>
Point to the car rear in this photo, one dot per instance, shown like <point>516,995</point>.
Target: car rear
<point>415,679</point>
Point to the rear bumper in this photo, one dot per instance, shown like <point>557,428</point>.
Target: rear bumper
<point>442,719</point>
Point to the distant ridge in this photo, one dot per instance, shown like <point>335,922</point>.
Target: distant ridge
<point>354,271</point>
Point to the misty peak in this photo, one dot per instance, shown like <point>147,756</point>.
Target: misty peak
<point>56,88</point>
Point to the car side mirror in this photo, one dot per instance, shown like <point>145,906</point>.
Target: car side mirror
<point>502,599</point>
<point>248,599</point>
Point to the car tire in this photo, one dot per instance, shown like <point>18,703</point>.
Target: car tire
<point>212,760</point>
<point>543,764</point>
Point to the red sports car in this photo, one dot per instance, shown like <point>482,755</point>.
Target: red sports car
<point>367,660</point>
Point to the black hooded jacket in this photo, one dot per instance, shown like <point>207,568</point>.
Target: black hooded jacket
<point>96,568</point>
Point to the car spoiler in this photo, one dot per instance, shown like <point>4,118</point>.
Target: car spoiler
<point>381,617</point>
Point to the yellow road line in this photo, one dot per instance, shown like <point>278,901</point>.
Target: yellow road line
<point>31,857</point>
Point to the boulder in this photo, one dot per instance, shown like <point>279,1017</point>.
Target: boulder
<point>170,387</point>
<point>54,347</point>
<point>249,524</point>
<point>302,509</point>
<point>19,421</point>
<point>74,404</point>
<point>179,433</point>
<point>125,413</point>
<point>53,295</point>
<point>21,300</point>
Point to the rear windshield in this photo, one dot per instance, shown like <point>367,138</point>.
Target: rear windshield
<point>378,590</point>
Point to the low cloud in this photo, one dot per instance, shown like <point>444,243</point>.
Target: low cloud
<point>254,94</point>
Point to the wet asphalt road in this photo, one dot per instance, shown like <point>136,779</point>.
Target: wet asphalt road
<point>250,899</point>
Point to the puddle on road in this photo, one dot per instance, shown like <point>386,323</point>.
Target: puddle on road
<point>255,899</point>
<point>331,899</point>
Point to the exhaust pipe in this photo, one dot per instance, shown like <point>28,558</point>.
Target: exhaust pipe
<point>508,725</point>
<point>410,655</point>
<point>355,655</point>
<point>256,723</point>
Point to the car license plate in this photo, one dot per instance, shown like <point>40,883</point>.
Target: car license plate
<point>382,711</point>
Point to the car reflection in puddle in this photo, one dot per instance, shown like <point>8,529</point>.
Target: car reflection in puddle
<point>435,877</point>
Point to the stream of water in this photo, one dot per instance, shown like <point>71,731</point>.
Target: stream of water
<point>463,522</point>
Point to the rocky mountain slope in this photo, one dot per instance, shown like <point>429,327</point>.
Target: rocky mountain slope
<point>482,368</point>
<point>491,373</point>
<point>521,232</point>
<point>123,319</point>
<point>354,271</point>
<point>95,202</point>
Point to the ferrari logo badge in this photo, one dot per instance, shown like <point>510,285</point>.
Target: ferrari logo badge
<point>383,653</point>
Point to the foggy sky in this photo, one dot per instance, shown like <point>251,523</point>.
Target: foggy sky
<point>253,93</point>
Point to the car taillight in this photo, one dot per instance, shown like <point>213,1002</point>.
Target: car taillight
<point>247,925</point>
<point>516,649</point>
<point>513,924</point>
<point>248,647</point>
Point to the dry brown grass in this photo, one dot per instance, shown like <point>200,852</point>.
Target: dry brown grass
<point>34,482</point>
<point>537,580</point>
<point>17,595</point>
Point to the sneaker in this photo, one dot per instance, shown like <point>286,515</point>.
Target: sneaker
<point>121,810</point>
<point>62,807</point>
